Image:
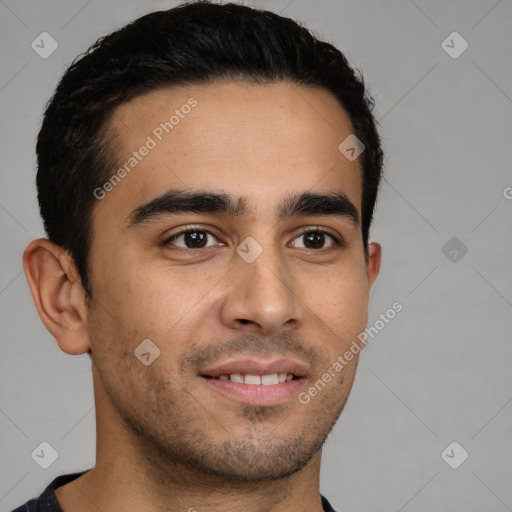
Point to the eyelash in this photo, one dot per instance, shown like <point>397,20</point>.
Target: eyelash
<point>338,243</point>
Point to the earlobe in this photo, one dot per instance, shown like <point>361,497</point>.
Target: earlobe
<point>374,259</point>
<point>58,294</point>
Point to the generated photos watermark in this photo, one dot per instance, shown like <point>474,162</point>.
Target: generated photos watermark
<point>342,360</point>
<point>152,141</point>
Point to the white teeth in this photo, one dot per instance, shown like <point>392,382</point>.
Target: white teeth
<point>252,379</point>
<point>267,380</point>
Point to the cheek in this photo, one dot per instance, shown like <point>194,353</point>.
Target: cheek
<point>340,301</point>
<point>342,287</point>
<point>154,299</point>
<point>135,301</point>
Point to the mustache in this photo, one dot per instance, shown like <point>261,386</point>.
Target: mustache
<point>285,344</point>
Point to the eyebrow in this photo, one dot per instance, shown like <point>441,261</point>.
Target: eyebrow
<point>179,201</point>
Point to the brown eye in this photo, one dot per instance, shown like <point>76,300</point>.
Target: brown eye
<point>316,240</point>
<point>191,239</point>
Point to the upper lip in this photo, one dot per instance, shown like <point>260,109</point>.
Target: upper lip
<point>256,367</point>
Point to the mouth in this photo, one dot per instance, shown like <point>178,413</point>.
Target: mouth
<point>256,382</point>
<point>269,379</point>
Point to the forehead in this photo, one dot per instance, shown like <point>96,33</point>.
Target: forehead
<point>259,141</point>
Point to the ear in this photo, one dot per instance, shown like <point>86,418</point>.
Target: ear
<point>373,265</point>
<point>58,294</point>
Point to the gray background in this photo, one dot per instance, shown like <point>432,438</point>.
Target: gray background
<point>439,372</point>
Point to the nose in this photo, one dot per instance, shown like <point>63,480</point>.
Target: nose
<point>262,297</point>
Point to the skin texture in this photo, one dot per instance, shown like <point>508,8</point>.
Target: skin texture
<point>165,440</point>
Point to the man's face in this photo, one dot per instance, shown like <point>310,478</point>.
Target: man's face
<point>211,300</point>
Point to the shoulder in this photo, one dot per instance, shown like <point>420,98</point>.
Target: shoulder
<point>47,502</point>
<point>326,505</point>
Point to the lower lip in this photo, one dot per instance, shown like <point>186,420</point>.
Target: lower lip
<point>257,394</point>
